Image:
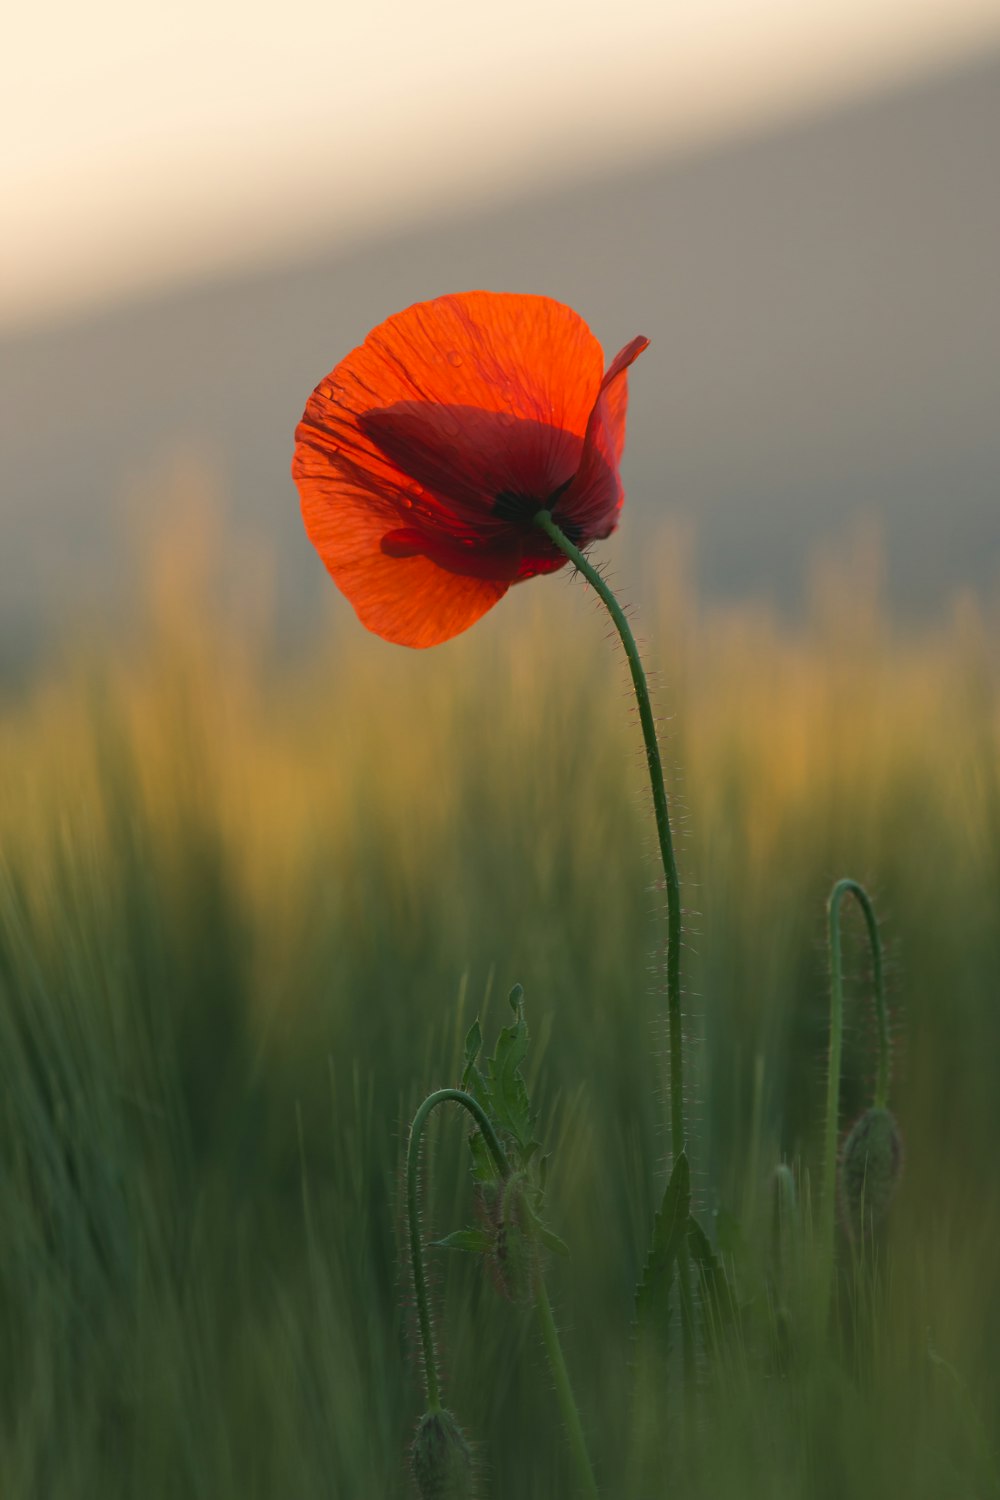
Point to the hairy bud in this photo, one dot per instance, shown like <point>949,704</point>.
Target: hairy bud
<point>871,1162</point>
<point>515,1256</point>
<point>442,1459</point>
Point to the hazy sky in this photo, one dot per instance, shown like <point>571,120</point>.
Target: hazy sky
<point>142,142</point>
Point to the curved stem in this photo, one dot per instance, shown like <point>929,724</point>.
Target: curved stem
<point>441,1096</point>
<point>543,518</point>
<point>654,764</point>
<point>564,1392</point>
<point>832,1127</point>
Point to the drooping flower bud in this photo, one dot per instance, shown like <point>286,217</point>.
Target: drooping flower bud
<point>442,1459</point>
<point>871,1162</point>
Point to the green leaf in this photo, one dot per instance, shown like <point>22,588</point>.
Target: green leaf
<point>472,1079</point>
<point>475,1240</point>
<point>508,1092</point>
<point>718,1305</point>
<point>652,1297</point>
<point>500,1089</point>
<point>484,1168</point>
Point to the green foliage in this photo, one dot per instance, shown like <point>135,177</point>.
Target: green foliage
<point>476,1241</point>
<point>670,1228</point>
<point>676,1230</point>
<point>718,1307</point>
<point>513,1209</point>
<point>501,1089</point>
<point>245,923</point>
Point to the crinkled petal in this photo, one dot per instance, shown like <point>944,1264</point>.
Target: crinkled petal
<point>457,399</point>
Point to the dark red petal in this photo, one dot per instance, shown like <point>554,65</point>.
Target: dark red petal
<point>455,485</point>
<point>595,497</point>
<point>614,395</point>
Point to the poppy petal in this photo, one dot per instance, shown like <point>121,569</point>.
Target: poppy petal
<point>423,457</point>
<point>595,497</point>
<point>465,396</point>
<point>396,590</point>
<point>614,395</point>
<point>525,355</point>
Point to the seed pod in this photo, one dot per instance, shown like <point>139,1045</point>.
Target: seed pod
<point>442,1459</point>
<point>871,1162</point>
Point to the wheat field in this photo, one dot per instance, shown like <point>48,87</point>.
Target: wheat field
<point>250,903</point>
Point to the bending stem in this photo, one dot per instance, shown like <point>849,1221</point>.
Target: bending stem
<point>655,766</point>
<point>442,1096</point>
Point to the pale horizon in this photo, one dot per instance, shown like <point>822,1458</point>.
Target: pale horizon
<point>145,157</point>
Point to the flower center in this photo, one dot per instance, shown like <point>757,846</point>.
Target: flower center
<point>513,505</point>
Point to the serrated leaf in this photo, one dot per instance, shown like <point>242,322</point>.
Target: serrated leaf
<point>472,1078</point>
<point>475,1084</point>
<point>652,1297</point>
<point>474,1240</point>
<point>718,1305</point>
<point>700,1245</point>
<point>508,1091</point>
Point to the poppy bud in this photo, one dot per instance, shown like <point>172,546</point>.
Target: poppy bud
<point>442,1460</point>
<point>871,1161</point>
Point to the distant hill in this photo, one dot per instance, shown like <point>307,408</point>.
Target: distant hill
<point>824,305</point>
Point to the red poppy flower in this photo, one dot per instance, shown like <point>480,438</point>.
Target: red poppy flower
<point>422,459</point>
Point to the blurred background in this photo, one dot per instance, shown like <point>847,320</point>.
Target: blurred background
<point>260,870</point>
<point>206,208</point>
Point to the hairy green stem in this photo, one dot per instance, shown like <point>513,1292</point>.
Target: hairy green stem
<point>655,766</point>
<point>441,1096</point>
<point>543,518</point>
<point>832,1125</point>
<point>550,1335</point>
<point>564,1393</point>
